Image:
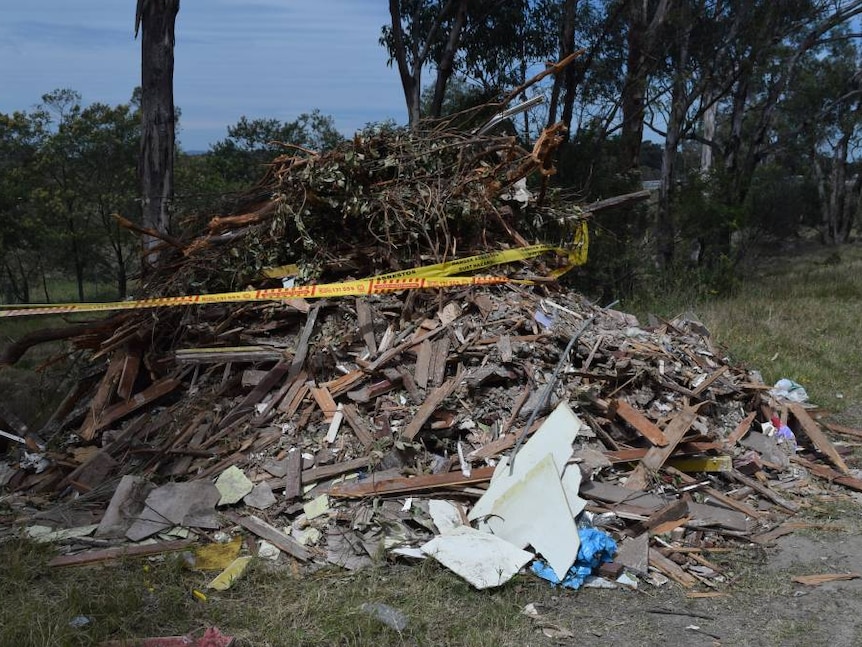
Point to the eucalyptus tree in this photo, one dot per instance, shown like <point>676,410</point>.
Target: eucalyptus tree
<point>156,19</point>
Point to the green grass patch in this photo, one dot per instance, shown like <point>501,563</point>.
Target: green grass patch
<point>268,606</point>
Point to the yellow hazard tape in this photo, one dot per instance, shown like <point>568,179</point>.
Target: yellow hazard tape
<point>431,276</point>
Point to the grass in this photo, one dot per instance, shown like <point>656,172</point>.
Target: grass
<point>267,607</point>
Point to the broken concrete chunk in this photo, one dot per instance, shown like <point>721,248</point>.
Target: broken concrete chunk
<point>316,507</point>
<point>125,506</point>
<point>233,485</point>
<point>480,558</point>
<point>176,504</point>
<point>266,550</point>
<point>260,497</point>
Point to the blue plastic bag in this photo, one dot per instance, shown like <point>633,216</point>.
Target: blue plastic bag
<point>596,548</point>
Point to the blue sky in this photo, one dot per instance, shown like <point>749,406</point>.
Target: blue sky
<point>259,58</point>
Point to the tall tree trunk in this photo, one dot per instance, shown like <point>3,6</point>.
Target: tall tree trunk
<point>446,64</point>
<point>157,19</point>
<point>643,31</point>
<point>665,226</point>
<point>566,80</point>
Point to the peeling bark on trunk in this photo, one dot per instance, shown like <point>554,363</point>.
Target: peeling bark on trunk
<point>157,19</point>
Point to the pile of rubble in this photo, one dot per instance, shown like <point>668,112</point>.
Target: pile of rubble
<point>468,424</point>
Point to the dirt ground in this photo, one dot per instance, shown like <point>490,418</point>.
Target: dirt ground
<point>760,607</point>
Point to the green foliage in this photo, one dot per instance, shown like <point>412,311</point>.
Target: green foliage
<point>241,159</point>
<point>64,170</point>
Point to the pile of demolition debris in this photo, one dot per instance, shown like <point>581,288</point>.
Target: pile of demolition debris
<point>487,426</point>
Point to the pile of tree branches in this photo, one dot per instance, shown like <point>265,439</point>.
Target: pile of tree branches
<point>388,199</point>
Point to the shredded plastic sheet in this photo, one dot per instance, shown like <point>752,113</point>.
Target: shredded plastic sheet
<point>596,548</point>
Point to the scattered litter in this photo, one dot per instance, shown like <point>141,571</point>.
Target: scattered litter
<point>216,556</point>
<point>79,622</point>
<point>482,559</point>
<point>595,549</point>
<point>390,616</point>
<point>211,637</point>
<point>224,580</point>
<point>817,580</point>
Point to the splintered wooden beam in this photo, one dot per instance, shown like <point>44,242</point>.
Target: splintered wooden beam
<point>639,423</point>
<point>741,429</point>
<point>273,535</point>
<point>324,400</point>
<point>657,456</point>
<point>153,392</point>
<point>405,484</point>
<point>366,324</point>
<point>432,402</point>
<point>351,415</point>
<point>257,394</point>
<point>103,396</point>
<point>841,429</point>
<point>703,386</point>
<point>811,429</point>
<point>758,487</point>
<point>120,552</point>
<point>720,498</point>
<point>131,366</point>
<point>670,568</point>
<point>826,472</point>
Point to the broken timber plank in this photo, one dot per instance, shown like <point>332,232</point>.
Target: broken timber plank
<point>811,429</point>
<point>639,423</point>
<point>423,364</point>
<point>841,429</point>
<point>293,477</point>
<point>434,400</point>
<point>256,395</point>
<point>351,415</point>
<point>671,568</point>
<point>391,354</point>
<point>741,429</point>
<point>131,366</point>
<point>826,472</point>
<point>366,324</point>
<point>302,343</point>
<point>120,552</point>
<point>656,456</point>
<point>277,538</point>
<point>103,396</point>
<point>151,393</point>
<point>324,400</point>
<point>712,378</point>
<point>314,474</point>
<point>758,487</point>
<point>675,511</point>
<point>403,484</point>
<point>437,370</point>
<point>719,497</point>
